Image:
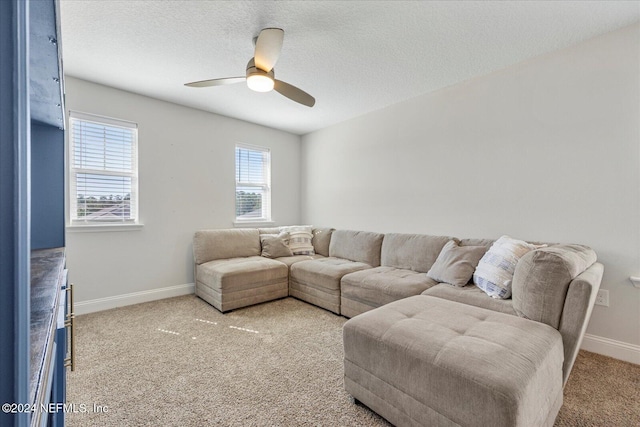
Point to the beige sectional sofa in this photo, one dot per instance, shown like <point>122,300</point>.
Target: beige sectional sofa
<point>417,351</point>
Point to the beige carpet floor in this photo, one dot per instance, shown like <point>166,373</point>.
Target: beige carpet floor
<point>179,362</point>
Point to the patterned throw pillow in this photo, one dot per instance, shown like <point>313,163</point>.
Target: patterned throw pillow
<point>300,239</point>
<point>494,273</point>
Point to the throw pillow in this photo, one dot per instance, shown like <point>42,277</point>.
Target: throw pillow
<point>275,246</point>
<point>455,264</point>
<point>300,238</point>
<point>494,273</point>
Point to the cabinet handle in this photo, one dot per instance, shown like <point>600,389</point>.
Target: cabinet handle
<point>69,323</point>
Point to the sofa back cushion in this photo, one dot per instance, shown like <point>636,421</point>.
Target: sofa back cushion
<point>415,252</point>
<point>359,246</point>
<point>542,277</point>
<point>477,242</point>
<point>269,230</point>
<point>222,244</point>
<point>321,240</point>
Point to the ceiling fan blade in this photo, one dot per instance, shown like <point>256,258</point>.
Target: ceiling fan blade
<point>216,82</point>
<point>268,47</point>
<point>294,94</point>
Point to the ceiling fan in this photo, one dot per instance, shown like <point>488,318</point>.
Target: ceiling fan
<point>260,73</point>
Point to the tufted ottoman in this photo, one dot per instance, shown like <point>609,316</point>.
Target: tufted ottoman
<point>429,361</point>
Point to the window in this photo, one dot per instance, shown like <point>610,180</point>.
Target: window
<point>103,170</point>
<point>253,184</point>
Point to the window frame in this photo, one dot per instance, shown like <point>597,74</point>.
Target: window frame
<point>75,223</point>
<point>265,187</point>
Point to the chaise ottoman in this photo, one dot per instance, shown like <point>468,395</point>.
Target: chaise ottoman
<point>425,360</point>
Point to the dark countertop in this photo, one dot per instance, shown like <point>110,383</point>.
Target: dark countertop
<point>47,267</point>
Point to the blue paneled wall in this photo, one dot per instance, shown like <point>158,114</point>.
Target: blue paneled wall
<point>47,186</point>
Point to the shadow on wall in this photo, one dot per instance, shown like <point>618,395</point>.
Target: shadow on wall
<point>189,261</point>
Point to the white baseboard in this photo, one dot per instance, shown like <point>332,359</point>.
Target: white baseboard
<point>612,348</point>
<point>91,306</point>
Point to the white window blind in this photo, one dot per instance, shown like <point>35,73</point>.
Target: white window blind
<point>253,184</point>
<point>103,170</point>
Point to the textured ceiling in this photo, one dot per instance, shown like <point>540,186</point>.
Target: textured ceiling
<point>353,56</point>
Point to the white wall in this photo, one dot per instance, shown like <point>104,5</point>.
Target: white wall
<point>187,182</point>
<point>545,150</point>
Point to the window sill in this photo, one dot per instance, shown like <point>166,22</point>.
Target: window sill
<point>101,228</point>
<point>241,224</point>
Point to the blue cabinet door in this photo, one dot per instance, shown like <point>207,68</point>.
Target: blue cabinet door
<point>59,388</point>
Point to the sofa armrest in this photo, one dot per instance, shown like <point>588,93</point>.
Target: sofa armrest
<point>578,305</point>
<point>542,278</point>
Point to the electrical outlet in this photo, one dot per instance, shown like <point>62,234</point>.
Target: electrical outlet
<point>602,298</point>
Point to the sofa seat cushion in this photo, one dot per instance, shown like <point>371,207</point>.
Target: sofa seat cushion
<point>290,260</point>
<point>382,285</point>
<point>232,283</point>
<point>426,360</point>
<point>318,281</point>
<point>471,295</point>
<point>325,272</point>
<point>240,273</point>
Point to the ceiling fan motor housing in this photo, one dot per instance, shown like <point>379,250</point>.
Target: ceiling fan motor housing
<point>258,79</point>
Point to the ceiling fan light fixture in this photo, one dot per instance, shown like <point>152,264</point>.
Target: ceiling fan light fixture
<point>260,82</point>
